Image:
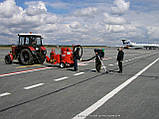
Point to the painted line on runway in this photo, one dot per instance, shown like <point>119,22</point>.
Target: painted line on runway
<point>108,96</point>
<point>35,65</point>
<point>33,86</point>
<point>110,64</point>
<point>107,58</point>
<point>77,74</point>
<point>126,60</point>
<point>4,94</point>
<point>2,60</point>
<point>24,71</point>
<point>60,79</point>
<point>82,64</point>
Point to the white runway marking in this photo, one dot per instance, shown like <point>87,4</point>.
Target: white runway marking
<point>82,64</point>
<point>133,58</point>
<point>78,73</point>
<point>4,94</point>
<point>93,69</point>
<point>110,64</point>
<point>33,86</point>
<point>60,79</point>
<point>103,100</point>
<point>24,71</point>
<point>126,60</point>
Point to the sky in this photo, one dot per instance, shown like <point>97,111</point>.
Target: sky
<point>85,22</point>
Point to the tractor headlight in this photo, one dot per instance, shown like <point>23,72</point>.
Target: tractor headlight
<point>37,48</point>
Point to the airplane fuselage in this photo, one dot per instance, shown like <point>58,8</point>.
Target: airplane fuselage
<point>129,44</point>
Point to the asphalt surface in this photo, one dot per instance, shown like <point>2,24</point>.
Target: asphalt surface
<point>48,92</point>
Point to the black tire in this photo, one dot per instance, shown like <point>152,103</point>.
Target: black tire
<point>26,57</point>
<point>8,59</point>
<point>62,65</point>
<point>41,58</point>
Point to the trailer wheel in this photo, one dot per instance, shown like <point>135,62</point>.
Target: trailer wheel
<point>62,65</point>
<point>26,57</point>
<point>8,59</point>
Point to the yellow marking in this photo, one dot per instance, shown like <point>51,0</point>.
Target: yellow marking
<point>35,65</point>
<point>5,47</point>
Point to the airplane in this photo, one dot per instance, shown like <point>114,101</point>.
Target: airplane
<point>128,44</point>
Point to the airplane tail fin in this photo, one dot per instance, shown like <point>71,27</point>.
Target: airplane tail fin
<point>125,42</point>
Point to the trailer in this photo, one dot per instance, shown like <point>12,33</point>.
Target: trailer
<point>65,57</point>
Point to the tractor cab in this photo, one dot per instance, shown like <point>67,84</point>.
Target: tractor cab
<point>29,49</point>
<point>33,40</point>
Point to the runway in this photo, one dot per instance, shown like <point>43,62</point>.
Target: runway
<point>48,92</point>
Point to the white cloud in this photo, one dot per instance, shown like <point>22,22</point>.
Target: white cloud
<point>74,25</point>
<point>130,27</point>
<point>114,28</point>
<point>90,11</point>
<point>35,8</point>
<point>94,24</point>
<point>35,18</point>
<point>120,6</point>
<point>115,20</point>
<point>51,19</point>
<point>8,8</point>
<point>153,32</point>
<point>59,5</point>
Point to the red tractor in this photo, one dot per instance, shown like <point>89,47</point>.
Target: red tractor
<point>28,51</point>
<point>65,58</point>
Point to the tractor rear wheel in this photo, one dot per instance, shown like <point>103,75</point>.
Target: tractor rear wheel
<point>8,59</point>
<point>26,57</point>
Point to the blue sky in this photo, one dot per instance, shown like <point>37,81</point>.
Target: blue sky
<point>81,21</point>
<point>139,5</point>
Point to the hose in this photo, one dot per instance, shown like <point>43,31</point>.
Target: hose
<point>81,50</point>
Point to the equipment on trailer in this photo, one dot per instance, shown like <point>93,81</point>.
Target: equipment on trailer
<point>100,52</point>
<point>65,58</point>
<point>28,51</point>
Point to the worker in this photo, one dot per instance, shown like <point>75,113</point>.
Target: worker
<point>98,63</point>
<point>120,58</point>
<point>75,58</point>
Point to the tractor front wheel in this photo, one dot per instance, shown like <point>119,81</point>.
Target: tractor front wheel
<point>8,59</point>
<point>26,57</point>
